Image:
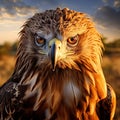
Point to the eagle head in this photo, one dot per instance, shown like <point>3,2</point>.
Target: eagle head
<point>60,39</point>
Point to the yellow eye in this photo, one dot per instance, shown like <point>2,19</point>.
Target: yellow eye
<point>72,41</point>
<point>39,41</point>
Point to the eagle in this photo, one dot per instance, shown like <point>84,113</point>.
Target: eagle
<point>58,73</point>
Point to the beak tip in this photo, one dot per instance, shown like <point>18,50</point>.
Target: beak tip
<point>53,69</point>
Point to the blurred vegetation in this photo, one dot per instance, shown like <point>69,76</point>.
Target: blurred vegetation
<point>110,64</point>
<point>112,47</point>
<point>8,48</point>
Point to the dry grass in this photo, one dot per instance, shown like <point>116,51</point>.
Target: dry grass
<point>6,67</point>
<point>111,67</point>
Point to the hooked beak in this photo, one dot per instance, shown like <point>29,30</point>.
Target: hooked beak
<point>54,46</point>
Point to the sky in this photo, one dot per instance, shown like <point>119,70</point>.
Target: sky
<point>13,14</point>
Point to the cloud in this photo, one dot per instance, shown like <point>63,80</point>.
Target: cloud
<point>105,1</point>
<point>108,17</point>
<point>13,8</point>
<point>117,3</point>
<point>13,14</point>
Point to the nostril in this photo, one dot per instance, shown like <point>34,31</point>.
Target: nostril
<point>59,45</point>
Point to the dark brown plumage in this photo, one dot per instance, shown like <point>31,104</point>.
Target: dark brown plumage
<point>58,74</point>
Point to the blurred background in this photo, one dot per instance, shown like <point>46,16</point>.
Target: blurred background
<point>105,14</point>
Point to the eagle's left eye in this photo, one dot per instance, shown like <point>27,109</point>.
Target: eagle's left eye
<point>73,41</point>
<point>39,41</point>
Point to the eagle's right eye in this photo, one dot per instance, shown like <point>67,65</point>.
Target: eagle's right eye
<point>39,41</point>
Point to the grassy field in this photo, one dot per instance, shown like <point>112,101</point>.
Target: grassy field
<point>111,68</point>
<point>6,67</point>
